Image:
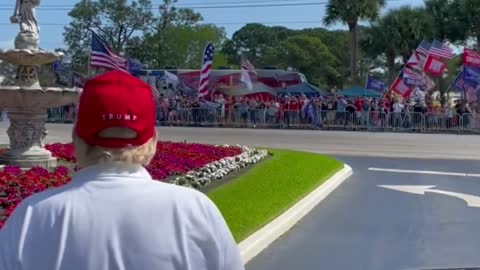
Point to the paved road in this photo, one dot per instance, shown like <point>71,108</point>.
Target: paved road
<point>363,226</point>
<point>328,142</point>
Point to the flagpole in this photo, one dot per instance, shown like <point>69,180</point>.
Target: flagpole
<point>88,65</point>
<point>89,55</point>
<point>366,84</point>
<point>456,77</point>
<point>391,85</point>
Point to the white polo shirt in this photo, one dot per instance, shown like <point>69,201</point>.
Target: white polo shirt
<point>115,217</point>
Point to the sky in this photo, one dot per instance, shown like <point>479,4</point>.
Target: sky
<point>52,20</point>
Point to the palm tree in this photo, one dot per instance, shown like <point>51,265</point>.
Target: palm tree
<point>351,12</point>
<point>396,34</point>
<point>471,11</point>
<point>449,18</point>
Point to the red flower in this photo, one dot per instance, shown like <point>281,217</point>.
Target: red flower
<point>170,159</point>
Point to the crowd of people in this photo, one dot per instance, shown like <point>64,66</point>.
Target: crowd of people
<point>288,111</point>
<point>292,110</point>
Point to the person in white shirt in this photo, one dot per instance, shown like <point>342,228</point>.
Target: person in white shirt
<point>112,215</point>
<point>398,107</point>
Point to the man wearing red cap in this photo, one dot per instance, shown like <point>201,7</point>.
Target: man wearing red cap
<point>112,215</point>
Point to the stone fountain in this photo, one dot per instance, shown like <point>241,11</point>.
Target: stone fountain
<point>27,101</point>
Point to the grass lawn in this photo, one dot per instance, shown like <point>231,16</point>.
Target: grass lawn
<point>270,188</point>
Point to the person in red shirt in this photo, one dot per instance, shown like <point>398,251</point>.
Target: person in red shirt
<point>358,104</point>
<point>294,105</point>
<point>294,110</point>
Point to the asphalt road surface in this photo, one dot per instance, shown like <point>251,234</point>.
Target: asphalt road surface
<point>439,146</point>
<point>364,226</point>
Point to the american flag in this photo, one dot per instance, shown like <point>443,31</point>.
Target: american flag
<point>441,50</point>
<point>418,57</point>
<point>246,65</point>
<point>247,70</point>
<point>424,47</point>
<point>206,68</point>
<point>102,56</point>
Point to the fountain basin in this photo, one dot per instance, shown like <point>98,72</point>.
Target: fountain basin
<point>25,57</point>
<point>27,111</point>
<point>16,98</point>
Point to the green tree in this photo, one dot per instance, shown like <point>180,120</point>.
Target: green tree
<point>351,12</point>
<point>471,11</point>
<point>179,46</point>
<point>304,53</point>
<point>448,19</point>
<point>116,21</point>
<point>220,60</point>
<point>396,34</point>
<point>337,43</point>
<point>253,41</point>
<point>173,16</point>
<point>175,40</point>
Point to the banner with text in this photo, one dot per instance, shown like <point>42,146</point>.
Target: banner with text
<point>471,58</point>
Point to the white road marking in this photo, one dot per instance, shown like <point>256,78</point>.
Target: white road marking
<point>425,172</point>
<point>472,200</point>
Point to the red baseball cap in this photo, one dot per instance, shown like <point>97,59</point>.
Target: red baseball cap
<point>115,99</point>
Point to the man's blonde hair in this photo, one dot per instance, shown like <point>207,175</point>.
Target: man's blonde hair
<point>88,155</point>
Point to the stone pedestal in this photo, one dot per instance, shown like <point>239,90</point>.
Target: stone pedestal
<point>27,133</point>
<point>27,103</point>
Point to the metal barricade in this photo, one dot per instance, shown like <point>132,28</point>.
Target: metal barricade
<point>337,120</point>
<point>469,123</point>
<point>395,121</point>
<point>277,118</point>
<point>377,121</point>
<point>438,122</point>
<point>292,119</point>
<point>55,115</point>
<point>417,121</point>
<point>204,117</point>
<point>407,121</point>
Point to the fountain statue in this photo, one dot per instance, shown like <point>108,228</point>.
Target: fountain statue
<point>27,102</point>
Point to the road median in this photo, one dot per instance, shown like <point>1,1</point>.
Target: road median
<point>272,197</point>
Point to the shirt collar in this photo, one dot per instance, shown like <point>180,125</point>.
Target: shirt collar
<point>111,170</point>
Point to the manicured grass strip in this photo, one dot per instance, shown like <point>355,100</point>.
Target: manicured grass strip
<point>270,188</point>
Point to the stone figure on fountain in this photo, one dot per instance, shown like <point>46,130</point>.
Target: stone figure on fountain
<point>24,15</point>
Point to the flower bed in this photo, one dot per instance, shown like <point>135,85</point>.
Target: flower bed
<point>16,185</point>
<point>193,165</point>
<point>170,159</point>
<point>218,169</point>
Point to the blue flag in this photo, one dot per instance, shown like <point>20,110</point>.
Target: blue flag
<point>457,83</point>
<point>134,65</point>
<point>460,84</point>
<point>60,71</point>
<point>310,112</point>
<point>471,74</point>
<point>58,66</point>
<point>375,84</point>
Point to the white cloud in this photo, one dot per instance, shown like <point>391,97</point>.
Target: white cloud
<point>7,44</point>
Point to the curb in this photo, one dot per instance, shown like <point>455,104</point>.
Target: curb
<point>261,239</point>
